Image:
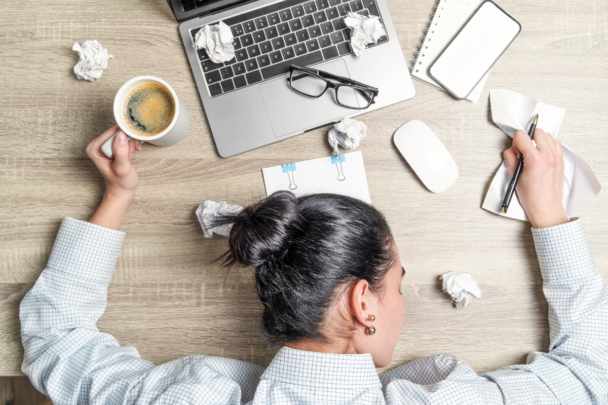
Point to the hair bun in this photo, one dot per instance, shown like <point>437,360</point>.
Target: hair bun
<point>265,230</point>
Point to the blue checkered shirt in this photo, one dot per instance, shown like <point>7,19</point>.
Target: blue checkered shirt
<point>67,358</point>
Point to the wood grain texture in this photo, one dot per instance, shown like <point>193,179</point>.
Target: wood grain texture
<point>167,298</point>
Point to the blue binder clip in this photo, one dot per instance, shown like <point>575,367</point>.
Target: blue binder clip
<point>289,168</point>
<point>337,160</point>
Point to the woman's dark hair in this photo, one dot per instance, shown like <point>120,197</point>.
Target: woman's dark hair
<point>303,249</point>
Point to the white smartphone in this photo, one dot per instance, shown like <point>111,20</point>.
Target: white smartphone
<point>474,49</point>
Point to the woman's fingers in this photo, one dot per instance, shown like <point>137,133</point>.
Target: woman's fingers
<point>511,157</point>
<point>132,146</point>
<point>524,144</point>
<point>96,143</point>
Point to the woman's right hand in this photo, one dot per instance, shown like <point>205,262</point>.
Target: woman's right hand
<point>120,176</point>
<point>540,187</point>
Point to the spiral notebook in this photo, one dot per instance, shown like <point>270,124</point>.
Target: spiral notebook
<point>450,16</point>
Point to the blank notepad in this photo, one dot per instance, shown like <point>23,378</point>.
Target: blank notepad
<point>450,16</point>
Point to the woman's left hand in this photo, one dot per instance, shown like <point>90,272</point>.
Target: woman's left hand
<point>119,174</point>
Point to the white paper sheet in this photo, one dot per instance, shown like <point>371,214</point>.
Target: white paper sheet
<point>209,211</point>
<point>347,133</point>
<point>512,111</point>
<point>321,176</point>
<point>364,30</point>
<point>217,40</point>
<point>461,287</point>
<point>93,60</point>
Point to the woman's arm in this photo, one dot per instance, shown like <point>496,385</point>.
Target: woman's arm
<point>576,368</point>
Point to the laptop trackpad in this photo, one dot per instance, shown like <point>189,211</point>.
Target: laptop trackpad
<point>291,112</point>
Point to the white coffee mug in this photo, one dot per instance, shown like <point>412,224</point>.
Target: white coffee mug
<point>175,132</point>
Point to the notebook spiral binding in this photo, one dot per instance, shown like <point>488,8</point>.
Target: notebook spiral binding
<point>426,35</point>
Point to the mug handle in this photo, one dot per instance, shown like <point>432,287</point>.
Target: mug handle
<point>106,148</point>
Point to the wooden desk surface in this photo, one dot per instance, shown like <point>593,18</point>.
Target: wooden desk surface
<point>166,299</point>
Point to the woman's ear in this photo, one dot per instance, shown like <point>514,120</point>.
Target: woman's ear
<point>360,299</point>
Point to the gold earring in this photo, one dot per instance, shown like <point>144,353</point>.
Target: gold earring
<point>371,330</point>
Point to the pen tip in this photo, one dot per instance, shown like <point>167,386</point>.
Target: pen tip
<point>502,210</point>
<point>535,119</point>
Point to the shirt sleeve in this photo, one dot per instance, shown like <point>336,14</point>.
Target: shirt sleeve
<point>574,371</point>
<point>68,359</point>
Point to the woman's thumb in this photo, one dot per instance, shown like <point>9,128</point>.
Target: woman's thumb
<point>120,147</point>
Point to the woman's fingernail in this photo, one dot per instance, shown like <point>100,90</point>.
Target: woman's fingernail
<point>121,138</point>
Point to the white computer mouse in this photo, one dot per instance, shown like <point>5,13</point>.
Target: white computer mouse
<point>426,155</point>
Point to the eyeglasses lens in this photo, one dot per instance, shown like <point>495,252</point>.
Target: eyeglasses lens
<point>353,97</point>
<point>307,84</point>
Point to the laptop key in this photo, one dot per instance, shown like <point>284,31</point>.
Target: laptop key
<point>339,24</point>
<point>208,66</point>
<point>332,13</point>
<point>261,22</point>
<point>290,39</point>
<point>259,36</point>
<point>283,67</point>
<point>236,43</point>
<point>237,30</point>
<point>298,11</point>
<point>310,7</point>
<point>251,64</point>
<point>334,2</point>
<point>254,77</point>
<point>327,27</point>
<point>343,9</point>
<point>308,21</point>
<point>264,60</point>
<point>226,73</point>
<point>240,81</point>
<point>239,68</point>
<point>302,35</point>
<point>276,57</point>
<point>336,37</point>
<point>344,48</point>
<point>365,13</point>
<point>283,28</point>
<point>356,5</point>
<point>346,34</point>
<point>285,15</point>
<point>300,49</point>
<point>253,51</point>
<point>215,89</point>
<point>247,40</point>
<point>265,47</point>
<point>322,4</point>
<point>373,9</point>
<point>230,62</point>
<point>278,43</point>
<point>312,45</point>
<point>320,17</point>
<point>330,53</point>
<point>213,77</point>
<point>271,32</point>
<point>274,18</point>
<point>248,26</point>
<point>325,41</point>
<point>241,55</point>
<point>295,25</point>
<point>288,53</point>
<point>227,85</point>
<point>202,54</point>
<point>314,31</point>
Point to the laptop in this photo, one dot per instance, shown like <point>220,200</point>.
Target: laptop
<point>248,101</point>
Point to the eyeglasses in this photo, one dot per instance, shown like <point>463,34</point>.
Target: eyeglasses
<point>314,83</point>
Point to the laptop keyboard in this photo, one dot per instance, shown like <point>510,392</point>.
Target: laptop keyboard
<point>270,39</point>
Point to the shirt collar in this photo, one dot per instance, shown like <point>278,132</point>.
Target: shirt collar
<point>323,370</point>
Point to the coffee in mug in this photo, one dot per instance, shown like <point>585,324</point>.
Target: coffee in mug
<point>149,109</point>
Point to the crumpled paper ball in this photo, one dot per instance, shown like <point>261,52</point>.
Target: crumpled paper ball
<point>209,211</point>
<point>461,287</point>
<point>347,133</point>
<point>364,30</point>
<point>217,41</point>
<point>93,60</point>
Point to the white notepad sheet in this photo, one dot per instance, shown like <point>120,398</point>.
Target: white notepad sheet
<point>450,16</point>
<point>474,50</point>
<point>321,176</point>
